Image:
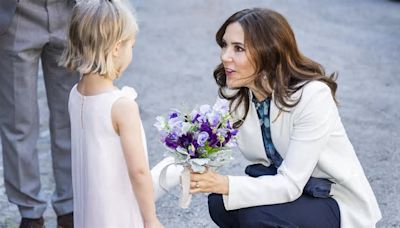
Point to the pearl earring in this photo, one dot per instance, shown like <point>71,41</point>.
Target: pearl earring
<point>265,76</point>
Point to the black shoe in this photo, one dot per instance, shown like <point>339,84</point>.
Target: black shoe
<point>65,221</point>
<point>32,223</point>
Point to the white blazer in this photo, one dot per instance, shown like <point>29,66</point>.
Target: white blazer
<point>312,141</point>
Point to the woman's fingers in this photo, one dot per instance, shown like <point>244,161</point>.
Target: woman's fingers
<point>196,176</point>
<point>194,184</point>
<point>200,183</point>
<point>195,190</point>
<point>197,187</point>
<point>204,182</point>
<point>200,176</point>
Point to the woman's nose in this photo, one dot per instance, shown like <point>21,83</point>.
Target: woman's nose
<point>226,55</point>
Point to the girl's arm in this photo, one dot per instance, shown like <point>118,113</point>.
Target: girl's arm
<point>127,123</point>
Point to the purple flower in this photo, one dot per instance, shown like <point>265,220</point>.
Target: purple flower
<point>175,125</point>
<point>172,141</point>
<point>228,124</point>
<point>198,134</point>
<point>173,115</point>
<point>192,150</point>
<point>195,118</point>
<point>202,118</point>
<point>202,138</point>
<point>213,140</point>
<point>204,109</point>
<point>206,127</point>
<point>234,132</point>
<point>221,106</point>
<point>185,140</point>
<point>228,137</point>
<point>195,144</point>
<point>214,118</point>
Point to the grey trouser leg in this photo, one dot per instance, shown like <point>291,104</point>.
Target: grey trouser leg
<point>58,83</point>
<point>19,131</point>
<point>29,38</point>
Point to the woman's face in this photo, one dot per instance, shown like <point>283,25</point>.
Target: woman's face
<point>239,70</point>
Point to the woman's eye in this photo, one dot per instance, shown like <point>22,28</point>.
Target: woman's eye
<point>239,49</point>
<point>223,44</point>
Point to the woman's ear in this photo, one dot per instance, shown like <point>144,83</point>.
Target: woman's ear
<point>115,51</point>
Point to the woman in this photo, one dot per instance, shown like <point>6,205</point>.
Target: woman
<point>304,170</point>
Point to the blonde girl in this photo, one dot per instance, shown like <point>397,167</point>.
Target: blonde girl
<point>112,182</point>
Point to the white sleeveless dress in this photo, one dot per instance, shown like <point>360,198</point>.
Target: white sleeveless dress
<point>103,195</point>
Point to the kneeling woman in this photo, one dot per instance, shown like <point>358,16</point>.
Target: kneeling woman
<point>304,170</point>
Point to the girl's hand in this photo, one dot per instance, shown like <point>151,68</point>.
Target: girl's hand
<point>153,224</point>
<point>209,182</point>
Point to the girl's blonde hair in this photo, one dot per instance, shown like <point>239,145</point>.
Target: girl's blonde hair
<point>95,28</point>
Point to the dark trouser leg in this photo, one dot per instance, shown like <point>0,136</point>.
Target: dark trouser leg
<point>219,215</point>
<point>306,212</point>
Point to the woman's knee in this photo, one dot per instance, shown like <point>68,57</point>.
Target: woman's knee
<point>215,205</point>
<point>217,211</point>
<point>262,216</point>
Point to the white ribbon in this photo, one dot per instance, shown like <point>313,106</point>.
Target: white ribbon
<point>186,197</point>
<point>197,165</point>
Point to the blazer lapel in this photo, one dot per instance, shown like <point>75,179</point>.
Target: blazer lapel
<point>280,128</point>
<point>250,140</point>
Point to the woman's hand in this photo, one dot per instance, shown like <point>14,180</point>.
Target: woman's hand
<point>209,182</point>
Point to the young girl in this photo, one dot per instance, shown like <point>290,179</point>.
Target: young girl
<point>112,183</point>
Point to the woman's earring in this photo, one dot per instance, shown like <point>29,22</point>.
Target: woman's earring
<point>265,76</point>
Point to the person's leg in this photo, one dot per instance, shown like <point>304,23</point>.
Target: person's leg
<point>306,211</point>
<point>218,214</point>
<point>20,49</point>
<point>58,83</point>
<point>246,217</point>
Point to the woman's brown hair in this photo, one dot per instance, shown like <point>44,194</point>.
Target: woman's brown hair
<point>273,49</point>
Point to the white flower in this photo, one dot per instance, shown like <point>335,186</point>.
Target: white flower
<point>186,127</point>
<point>221,106</point>
<point>204,109</point>
<point>160,124</point>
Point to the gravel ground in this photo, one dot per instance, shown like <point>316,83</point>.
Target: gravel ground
<point>175,55</point>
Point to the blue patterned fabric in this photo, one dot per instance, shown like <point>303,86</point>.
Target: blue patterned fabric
<point>316,187</point>
<point>263,115</point>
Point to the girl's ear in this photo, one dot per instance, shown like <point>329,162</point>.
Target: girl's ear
<point>116,48</point>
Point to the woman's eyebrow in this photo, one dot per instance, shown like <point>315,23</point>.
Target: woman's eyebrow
<point>237,43</point>
<point>234,43</point>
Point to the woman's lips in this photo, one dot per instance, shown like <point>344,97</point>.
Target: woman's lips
<point>229,72</point>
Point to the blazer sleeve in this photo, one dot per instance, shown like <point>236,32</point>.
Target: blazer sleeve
<point>312,121</point>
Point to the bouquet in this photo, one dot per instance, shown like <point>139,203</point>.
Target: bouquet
<point>198,139</point>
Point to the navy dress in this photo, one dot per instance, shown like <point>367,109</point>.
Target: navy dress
<point>314,208</point>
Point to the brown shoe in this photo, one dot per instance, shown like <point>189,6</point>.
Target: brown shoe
<point>32,223</point>
<point>65,221</point>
